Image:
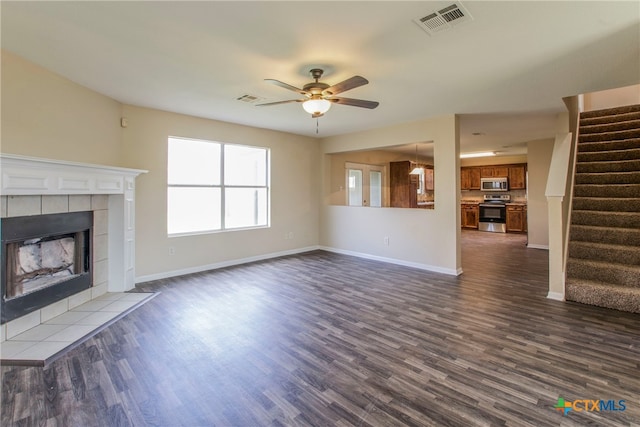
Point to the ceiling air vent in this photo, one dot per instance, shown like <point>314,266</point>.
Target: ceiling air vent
<point>444,19</point>
<point>250,99</point>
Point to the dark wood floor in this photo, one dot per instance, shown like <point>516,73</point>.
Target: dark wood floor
<point>323,339</point>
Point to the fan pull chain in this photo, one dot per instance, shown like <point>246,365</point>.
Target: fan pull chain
<point>317,125</point>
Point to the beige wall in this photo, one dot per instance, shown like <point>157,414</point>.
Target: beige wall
<point>295,181</point>
<point>422,238</point>
<point>45,115</point>
<point>628,95</point>
<point>539,160</point>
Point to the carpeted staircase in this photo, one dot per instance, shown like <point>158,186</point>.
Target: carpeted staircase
<point>603,268</point>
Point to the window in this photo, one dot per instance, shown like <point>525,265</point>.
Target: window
<point>213,186</point>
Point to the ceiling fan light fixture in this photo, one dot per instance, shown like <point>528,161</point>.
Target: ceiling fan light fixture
<point>317,106</point>
<point>319,95</point>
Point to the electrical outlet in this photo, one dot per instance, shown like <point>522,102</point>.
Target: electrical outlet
<point>172,250</point>
<point>386,241</point>
<point>290,235</point>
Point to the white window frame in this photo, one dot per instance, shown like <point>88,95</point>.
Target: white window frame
<point>222,186</point>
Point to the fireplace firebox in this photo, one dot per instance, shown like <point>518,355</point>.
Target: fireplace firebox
<point>45,258</point>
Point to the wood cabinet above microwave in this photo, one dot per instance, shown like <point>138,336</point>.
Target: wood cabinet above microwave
<point>470,175</point>
<point>494,171</point>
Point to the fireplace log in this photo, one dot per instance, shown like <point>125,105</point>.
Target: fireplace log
<point>43,272</point>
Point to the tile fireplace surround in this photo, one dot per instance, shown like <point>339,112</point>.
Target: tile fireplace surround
<point>35,186</point>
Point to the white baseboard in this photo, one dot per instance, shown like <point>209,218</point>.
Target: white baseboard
<point>217,265</point>
<point>214,266</point>
<point>534,246</point>
<point>420,266</point>
<point>556,296</point>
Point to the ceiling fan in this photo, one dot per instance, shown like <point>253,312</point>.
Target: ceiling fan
<point>319,96</point>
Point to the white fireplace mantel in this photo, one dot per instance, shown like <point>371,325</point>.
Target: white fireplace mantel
<point>36,176</point>
<point>31,176</point>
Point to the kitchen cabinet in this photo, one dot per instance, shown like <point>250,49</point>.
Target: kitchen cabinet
<point>516,218</point>
<point>517,174</point>
<point>469,215</point>
<point>470,178</point>
<point>404,187</point>
<point>494,171</point>
<point>428,178</point>
<point>517,177</point>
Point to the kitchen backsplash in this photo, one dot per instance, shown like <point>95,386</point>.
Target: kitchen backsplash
<point>477,195</point>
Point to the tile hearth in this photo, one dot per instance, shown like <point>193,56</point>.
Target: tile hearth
<point>42,344</point>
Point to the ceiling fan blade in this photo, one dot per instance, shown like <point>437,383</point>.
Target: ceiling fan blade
<point>280,102</point>
<point>286,86</point>
<point>352,83</point>
<point>355,102</point>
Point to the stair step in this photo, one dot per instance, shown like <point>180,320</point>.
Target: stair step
<point>607,190</point>
<point>608,178</point>
<point>620,254</point>
<point>612,166</point>
<point>609,136</point>
<point>603,295</point>
<point>589,121</point>
<point>621,144</point>
<point>611,126</point>
<point>603,267</point>
<point>610,111</point>
<point>608,204</point>
<point>607,156</point>
<point>611,219</point>
<point>604,234</point>
<point>618,274</point>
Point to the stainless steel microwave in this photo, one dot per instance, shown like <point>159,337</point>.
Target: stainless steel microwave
<point>494,184</point>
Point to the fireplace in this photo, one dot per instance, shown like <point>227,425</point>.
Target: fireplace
<point>45,258</point>
<point>33,187</point>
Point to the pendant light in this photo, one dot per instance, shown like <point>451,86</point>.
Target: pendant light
<point>416,170</point>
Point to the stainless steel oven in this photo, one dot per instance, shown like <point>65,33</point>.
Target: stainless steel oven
<point>493,213</point>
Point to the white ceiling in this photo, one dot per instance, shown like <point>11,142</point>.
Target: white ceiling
<point>505,72</point>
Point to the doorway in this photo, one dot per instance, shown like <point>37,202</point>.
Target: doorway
<point>364,184</point>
